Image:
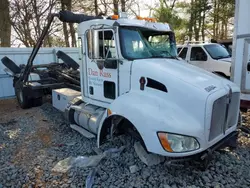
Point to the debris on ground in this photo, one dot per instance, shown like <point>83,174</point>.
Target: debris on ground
<point>90,179</point>
<point>148,158</point>
<point>133,169</point>
<point>32,147</point>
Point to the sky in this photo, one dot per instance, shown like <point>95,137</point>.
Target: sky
<point>144,11</point>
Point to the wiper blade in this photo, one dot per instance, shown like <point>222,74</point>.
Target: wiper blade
<point>171,56</point>
<point>157,56</point>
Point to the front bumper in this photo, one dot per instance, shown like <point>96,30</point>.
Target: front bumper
<point>205,156</point>
<point>229,140</point>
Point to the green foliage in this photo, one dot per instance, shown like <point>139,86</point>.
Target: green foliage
<point>170,16</point>
<point>164,14</point>
<point>198,19</point>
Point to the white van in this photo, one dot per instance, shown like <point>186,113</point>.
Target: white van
<point>212,57</point>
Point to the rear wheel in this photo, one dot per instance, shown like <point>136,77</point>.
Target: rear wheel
<point>23,101</point>
<point>37,101</point>
<point>11,65</point>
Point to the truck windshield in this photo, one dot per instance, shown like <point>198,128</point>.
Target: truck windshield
<point>141,43</point>
<point>216,51</point>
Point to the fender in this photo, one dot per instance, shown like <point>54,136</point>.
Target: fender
<point>149,114</point>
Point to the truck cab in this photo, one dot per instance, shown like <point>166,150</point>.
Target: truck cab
<point>212,57</point>
<point>132,80</point>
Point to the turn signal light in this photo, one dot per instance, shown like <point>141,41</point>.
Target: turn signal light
<point>164,142</point>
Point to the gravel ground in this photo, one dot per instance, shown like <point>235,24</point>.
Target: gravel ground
<point>33,141</point>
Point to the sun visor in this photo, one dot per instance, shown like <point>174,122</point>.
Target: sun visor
<point>141,23</point>
<point>70,17</point>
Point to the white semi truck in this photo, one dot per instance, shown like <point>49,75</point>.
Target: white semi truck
<point>132,81</point>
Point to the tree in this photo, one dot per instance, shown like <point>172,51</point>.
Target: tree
<point>67,5</point>
<point>28,17</point>
<point>167,13</point>
<point>221,13</point>
<point>5,26</point>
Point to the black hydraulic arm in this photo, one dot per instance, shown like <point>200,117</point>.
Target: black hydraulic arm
<point>70,17</point>
<point>25,75</point>
<point>64,16</point>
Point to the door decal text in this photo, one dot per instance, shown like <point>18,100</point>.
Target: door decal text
<point>100,73</point>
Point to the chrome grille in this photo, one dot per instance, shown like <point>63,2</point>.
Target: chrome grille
<point>233,107</point>
<point>218,119</point>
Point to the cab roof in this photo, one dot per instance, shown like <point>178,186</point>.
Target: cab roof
<point>196,44</point>
<point>157,26</point>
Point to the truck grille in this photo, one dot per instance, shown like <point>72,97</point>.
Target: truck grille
<point>218,120</point>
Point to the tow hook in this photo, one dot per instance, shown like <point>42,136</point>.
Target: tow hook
<point>205,159</point>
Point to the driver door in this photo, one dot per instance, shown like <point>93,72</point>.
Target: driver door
<point>198,57</point>
<point>102,67</point>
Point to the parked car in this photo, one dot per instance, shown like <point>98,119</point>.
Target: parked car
<point>212,57</point>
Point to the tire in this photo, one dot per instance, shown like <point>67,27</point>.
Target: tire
<point>37,101</point>
<point>23,101</point>
<point>11,65</point>
<point>67,60</point>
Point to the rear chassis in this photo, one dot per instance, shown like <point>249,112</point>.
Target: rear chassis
<point>52,76</point>
<point>55,75</point>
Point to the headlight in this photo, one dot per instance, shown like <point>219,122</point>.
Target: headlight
<point>178,143</point>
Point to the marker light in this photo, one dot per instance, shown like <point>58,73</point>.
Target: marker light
<point>114,17</point>
<point>146,19</point>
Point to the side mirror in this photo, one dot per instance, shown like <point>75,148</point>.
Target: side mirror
<point>107,63</point>
<point>110,63</point>
<point>93,44</point>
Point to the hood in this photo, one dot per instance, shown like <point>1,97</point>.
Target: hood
<point>229,59</point>
<point>158,68</point>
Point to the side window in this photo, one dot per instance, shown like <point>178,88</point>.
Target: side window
<point>183,53</point>
<point>107,47</point>
<point>198,54</point>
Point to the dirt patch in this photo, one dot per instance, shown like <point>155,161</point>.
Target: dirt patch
<point>44,136</point>
<point>9,109</point>
<point>40,134</point>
